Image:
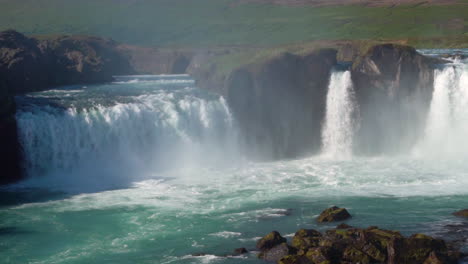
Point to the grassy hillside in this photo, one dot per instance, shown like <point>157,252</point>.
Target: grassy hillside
<point>226,22</point>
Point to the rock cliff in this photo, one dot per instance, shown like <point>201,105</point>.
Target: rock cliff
<point>393,85</point>
<point>279,101</point>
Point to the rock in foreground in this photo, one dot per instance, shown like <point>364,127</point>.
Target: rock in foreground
<point>462,213</point>
<point>333,214</point>
<point>356,245</point>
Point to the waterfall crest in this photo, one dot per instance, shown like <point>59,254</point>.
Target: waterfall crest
<point>151,129</point>
<point>338,130</point>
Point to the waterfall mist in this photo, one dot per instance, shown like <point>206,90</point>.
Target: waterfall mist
<point>154,130</point>
<point>447,124</point>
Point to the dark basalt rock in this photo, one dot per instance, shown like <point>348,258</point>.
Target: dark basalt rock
<point>277,252</point>
<point>462,213</point>
<point>393,86</point>
<point>278,101</point>
<point>239,251</point>
<point>333,214</point>
<point>294,259</point>
<point>269,241</point>
<point>357,245</point>
<point>306,238</point>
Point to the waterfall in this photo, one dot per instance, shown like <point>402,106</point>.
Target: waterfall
<point>337,133</point>
<point>124,128</point>
<point>447,124</point>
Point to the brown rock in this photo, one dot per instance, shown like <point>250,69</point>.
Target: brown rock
<point>271,240</point>
<point>333,214</point>
<point>461,213</point>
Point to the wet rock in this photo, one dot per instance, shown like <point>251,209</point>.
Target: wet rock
<point>393,85</point>
<point>294,259</point>
<point>462,213</point>
<point>198,254</point>
<point>239,251</point>
<point>305,239</point>
<point>277,252</point>
<point>333,214</point>
<point>353,255</point>
<point>343,226</point>
<point>418,248</point>
<point>269,241</point>
<point>358,245</point>
<point>320,255</point>
<point>278,98</point>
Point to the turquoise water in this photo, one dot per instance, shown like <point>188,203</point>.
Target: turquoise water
<point>214,211</point>
<point>149,170</point>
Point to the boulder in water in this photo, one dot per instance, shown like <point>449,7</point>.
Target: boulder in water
<point>271,240</point>
<point>239,251</point>
<point>333,214</point>
<point>462,213</point>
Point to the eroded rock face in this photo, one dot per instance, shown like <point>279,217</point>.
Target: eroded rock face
<point>393,86</point>
<point>29,64</point>
<point>280,102</point>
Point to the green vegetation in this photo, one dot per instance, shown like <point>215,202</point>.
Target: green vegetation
<point>202,23</point>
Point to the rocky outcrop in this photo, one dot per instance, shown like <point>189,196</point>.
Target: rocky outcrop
<point>461,213</point>
<point>393,86</point>
<point>29,64</point>
<point>357,245</point>
<point>279,101</point>
<point>333,214</point>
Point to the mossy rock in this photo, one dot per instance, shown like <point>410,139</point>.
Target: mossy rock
<point>277,252</point>
<point>271,240</point>
<point>355,255</point>
<point>333,214</point>
<point>305,239</point>
<point>462,213</point>
<point>294,259</point>
<point>320,255</point>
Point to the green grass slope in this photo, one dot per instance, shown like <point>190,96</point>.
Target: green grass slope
<point>202,23</point>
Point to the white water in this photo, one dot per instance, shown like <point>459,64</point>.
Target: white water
<point>446,131</point>
<point>337,135</point>
<point>162,130</point>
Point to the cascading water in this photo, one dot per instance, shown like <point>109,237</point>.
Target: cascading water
<point>337,135</point>
<point>139,133</point>
<point>447,124</point>
<point>131,127</point>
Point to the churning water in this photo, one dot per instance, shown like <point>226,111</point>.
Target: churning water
<point>148,170</point>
